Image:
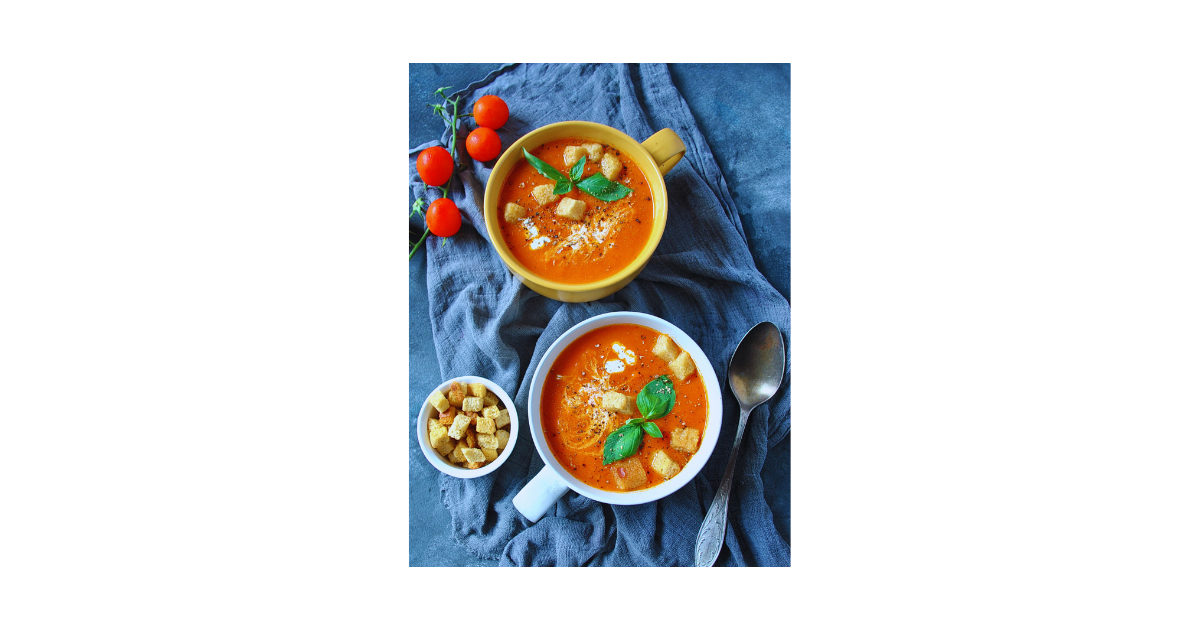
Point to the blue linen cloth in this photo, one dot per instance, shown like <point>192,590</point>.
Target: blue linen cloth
<point>701,278</point>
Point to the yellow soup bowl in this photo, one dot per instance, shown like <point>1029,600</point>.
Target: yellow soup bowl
<point>655,157</point>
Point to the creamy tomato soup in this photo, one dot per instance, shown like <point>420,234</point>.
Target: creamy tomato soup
<point>619,358</point>
<point>604,240</point>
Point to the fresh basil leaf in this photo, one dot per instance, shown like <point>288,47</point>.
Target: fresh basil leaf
<point>657,398</point>
<point>577,170</point>
<point>603,189</point>
<point>562,187</point>
<point>651,429</point>
<point>544,168</point>
<point>622,443</point>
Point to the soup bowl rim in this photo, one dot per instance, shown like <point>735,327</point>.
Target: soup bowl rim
<point>556,131</point>
<point>712,428</point>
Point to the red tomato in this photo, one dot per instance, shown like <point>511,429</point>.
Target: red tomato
<point>443,217</point>
<point>435,166</point>
<point>483,144</point>
<point>490,111</point>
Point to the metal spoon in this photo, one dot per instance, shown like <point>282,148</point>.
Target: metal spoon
<point>755,372</point>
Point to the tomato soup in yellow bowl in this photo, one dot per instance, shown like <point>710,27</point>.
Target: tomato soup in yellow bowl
<point>585,239</point>
<point>624,408</point>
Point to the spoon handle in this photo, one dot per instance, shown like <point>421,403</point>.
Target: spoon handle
<point>712,531</point>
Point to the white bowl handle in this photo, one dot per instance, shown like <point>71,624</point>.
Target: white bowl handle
<point>539,494</point>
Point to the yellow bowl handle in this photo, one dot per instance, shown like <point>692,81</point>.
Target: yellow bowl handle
<point>666,149</point>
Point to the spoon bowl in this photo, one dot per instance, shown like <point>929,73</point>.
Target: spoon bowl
<point>755,373</point>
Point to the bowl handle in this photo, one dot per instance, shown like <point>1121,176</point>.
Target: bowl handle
<point>539,494</point>
<point>666,149</point>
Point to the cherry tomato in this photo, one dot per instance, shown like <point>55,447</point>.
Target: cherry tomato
<point>483,144</point>
<point>435,166</point>
<point>490,111</point>
<point>443,217</point>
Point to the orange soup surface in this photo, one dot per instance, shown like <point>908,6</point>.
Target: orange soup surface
<point>613,358</point>
<point>608,237</point>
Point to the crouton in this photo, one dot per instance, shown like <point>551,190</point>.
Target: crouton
<point>491,411</point>
<point>572,209</point>
<point>544,194</point>
<point>446,418</point>
<point>476,389</point>
<point>628,473</point>
<point>447,448</point>
<point>469,438</point>
<point>473,455</point>
<point>455,386</point>
<point>460,426</point>
<point>502,438</point>
<point>474,465</point>
<point>682,366</point>
<point>514,212</point>
<point>665,349</point>
<point>664,465</point>
<point>439,436</point>
<point>490,399</point>
<point>490,454</point>
<point>487,441</point>
<point>456,455</point>
<point>502,419</point>
<point>572,154</point>
<point>618,402</point>
<point>456,396</point>
<point>594,150</point>
<point>439,402</point>
<point>610,166</point>
<point>685,439</point>
<point>471,403</point>
<point>485,425</point>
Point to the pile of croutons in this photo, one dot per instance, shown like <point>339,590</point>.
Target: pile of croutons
<point>468,426</point>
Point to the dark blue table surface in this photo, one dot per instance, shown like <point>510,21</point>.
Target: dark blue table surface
<point>741,109</point>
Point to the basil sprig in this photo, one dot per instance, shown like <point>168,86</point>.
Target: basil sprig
<point>596,185</point>
<point>655,400</point>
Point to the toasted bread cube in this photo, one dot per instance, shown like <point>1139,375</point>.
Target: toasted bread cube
<point>473,455</point>
<point>439,436</point>
<point>469,438</point>
<point>610,166</point>
<point>439,402</point>
<point>665,349</point>
<point>682,366</point>
<point>474,465</point>
<point>485,425</point>
<point>572,154</point>
<point>490,454</point>
<point>572,209</point>
<point>594,150</point>
<point>544,194</point>
<point>446,418</point>
<point>685,439</point>
<point>459,428</point>
<point>490,399</point>
<point>456,454</point>
<point>514,212</point>
<point>456,397</point>
<point>487,441</point>
<point>664,465</point>
<point>502,438</point>
<point>502,419</point>
<point>455,386</point>
<point>471,403</point>
<point>628,473</point>
<point>447,448</point>
<point>491,411</point>
<point>618,402</point>
<point>476,389</point>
